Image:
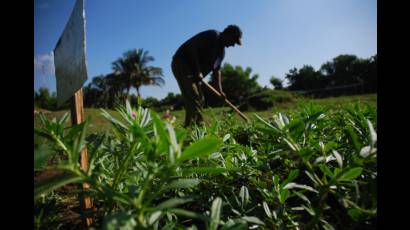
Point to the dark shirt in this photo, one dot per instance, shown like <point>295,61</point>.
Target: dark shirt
<point>203,52</point>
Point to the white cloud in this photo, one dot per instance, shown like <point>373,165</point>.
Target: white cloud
<point>44,63</point>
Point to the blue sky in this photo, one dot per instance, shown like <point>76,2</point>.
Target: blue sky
<point>277,34</point>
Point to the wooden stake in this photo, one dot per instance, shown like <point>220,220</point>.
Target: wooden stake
<point>77,117</point>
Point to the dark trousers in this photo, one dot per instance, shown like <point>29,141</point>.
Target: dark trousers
<point>191,92</point>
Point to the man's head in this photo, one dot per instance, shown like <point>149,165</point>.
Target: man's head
<point>232,34</point>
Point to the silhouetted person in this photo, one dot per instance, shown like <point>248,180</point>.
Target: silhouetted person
<point>195,59</point>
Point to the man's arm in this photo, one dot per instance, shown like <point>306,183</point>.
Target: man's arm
<point>216,82</point>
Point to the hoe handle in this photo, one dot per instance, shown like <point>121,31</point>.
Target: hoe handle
<point>226,100</point>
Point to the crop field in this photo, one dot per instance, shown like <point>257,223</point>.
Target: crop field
<point>311,164</point>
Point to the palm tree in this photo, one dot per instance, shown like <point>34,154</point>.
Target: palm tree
<point>134,71</point>
<point>115,90</point>
<point>100,85</point>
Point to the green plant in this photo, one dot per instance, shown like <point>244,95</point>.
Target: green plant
<point>309,168</point>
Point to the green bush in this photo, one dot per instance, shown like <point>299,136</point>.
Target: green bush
<point>266,99</point>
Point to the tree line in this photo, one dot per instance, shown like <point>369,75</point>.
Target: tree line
<point>343,70</point>
<point>133,70</point>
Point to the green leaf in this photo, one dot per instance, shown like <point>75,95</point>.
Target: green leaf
<point>351,174</point>
<point>303,197</point>
<point>337,171</point>
<point>92,153</point>
<point>154,217</point>
<point>43,133</point>
<point>292,175</point>
<point>182,183</point>
<point>253,219</point>
<point>296,128</point>
<point>329,146</point>
<point>266,131</point>
<point>116,196</point>
<point>244,195</point>
<point>214,126</point>
<point>79,142</point>
<point>301,186</point>
<point>338,157</point>
<point>267,124</point>
<point>284,195</point>
<point>41,155</point>
<point>209,170</point>
<point>372,133</point>
<point>171,203</point>
<point>64,119</point>
<point>55,183</point>
<point>276,182</point>
<point>367,151</point>
<point>313,117</point>
<point>119,221</point>
<point>74,131</point>
<point>161,134</point>
<point>294,146</point>
<point>326,170</point>
<point>236,224</point>
<point>128,107</point>
<point>200,148</point>
<point>121,171</point>
<point>267,210</point>
<point>310,210</point>
<point>181,134</point>
<point>326,225</point>
<point>173,139</point>
<point>119,125</point>
<point>226,137</point>
<point>355,214</point>
<point>314,178</point>
<point>215,213</point>
<point>188,214</point>
<point>355,139</point>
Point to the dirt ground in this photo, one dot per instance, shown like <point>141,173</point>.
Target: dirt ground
<point>69,207</point>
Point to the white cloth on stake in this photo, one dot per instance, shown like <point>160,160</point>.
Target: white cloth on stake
<point>70,55</point>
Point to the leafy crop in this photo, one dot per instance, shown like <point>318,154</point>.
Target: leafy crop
<point>312,168</point>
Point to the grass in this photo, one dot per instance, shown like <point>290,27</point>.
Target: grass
<point>99,124</point>
<point>309,166</point>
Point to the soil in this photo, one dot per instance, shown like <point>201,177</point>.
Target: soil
<point>69,207</point>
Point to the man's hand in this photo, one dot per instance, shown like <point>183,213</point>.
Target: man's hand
<point>198,77</point>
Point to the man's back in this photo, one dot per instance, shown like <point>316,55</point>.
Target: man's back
<point>194,59</point>
<point>205,48</point>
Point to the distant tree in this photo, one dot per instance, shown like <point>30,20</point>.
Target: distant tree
<point>150,102</point>
<point>305,78</point>
<point>44,100</point>
<point>91,95</point>
<point>133,100</point>
<point>343,70</point>
<point>366,71</point>
<point>104,91</point>
<point>237,83</point>
<point>276,82</point>
<point>172,100</point>
<point>99,83</point>
<point>371,77</point>
<point>116,87</point>
<point>134,71</point>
